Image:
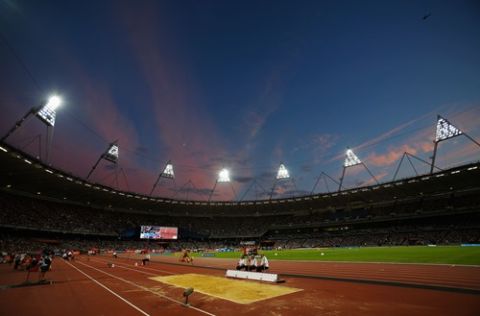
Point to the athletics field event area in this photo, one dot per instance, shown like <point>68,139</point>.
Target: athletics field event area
<point>312,284</point>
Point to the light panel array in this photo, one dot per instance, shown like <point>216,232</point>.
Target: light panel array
<point>168,171</point>
<point>282,172</point>
<point>224,176</point>
<point>351,159</point>
<point>112,153</point>
<point>445,130</point>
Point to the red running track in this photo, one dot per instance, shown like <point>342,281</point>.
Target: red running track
<point>89,287</point>
<point>435,275</point>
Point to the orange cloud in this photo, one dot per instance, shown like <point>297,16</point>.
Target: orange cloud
<point>421,142</point>
<point>392,156</point>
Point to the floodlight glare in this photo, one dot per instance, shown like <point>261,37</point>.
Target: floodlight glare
<point>351,159</point>
<point>54,102</point>
<point>282,172</point>
<point>47,113</point>
<point>224,175</point>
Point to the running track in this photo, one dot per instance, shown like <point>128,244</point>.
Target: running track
<point>89,287</point>
<point>435,276</point>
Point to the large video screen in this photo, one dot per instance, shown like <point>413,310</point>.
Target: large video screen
<point>158,232</point>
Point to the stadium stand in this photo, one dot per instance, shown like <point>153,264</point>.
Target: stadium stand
<point>38,202</point>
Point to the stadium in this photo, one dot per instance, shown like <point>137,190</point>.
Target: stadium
<point>86,231</point>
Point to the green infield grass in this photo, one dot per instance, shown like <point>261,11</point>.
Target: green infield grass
<point>412,254</point>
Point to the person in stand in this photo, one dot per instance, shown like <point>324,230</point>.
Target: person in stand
<point>253,251</point>
<point>264,265</point>
<point>242,263</point>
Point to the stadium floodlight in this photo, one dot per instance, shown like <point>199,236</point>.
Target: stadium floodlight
<point>45,113</point>
<point>48,112</point>
<point>168,171</point>
<point>351,159</point>
<point>224,175</point>
<point>112,153</point>
<point>445,130</point>
<point>282,172</point>
<point>54,102</point>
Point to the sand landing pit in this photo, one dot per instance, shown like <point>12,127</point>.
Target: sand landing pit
<point>237,291</point>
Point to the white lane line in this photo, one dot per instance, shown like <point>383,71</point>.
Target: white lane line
<point>147,289</point>
<point>143,267</point>
<point>378,262</point>
<point>217,260</point>
<point>109,290</point>
<point>123,267</point>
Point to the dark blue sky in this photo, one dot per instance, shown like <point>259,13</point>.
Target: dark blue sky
<point>244,85</point>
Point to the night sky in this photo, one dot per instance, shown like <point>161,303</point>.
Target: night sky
<point>244,85</point>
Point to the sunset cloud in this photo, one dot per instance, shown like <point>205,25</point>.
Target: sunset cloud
<point>267,103</point>
<point>183,128</point>
<point>390,157</point>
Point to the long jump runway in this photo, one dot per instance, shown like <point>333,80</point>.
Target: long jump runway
<point>90,287</point>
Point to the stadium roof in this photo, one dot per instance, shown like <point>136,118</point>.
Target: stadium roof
<point>22,174</point>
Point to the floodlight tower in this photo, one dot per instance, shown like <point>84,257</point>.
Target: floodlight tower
<point>223,177</point>
<point>187,188</point>
<point>352,160</point>
<point>45,113</point>
<point>444,131</point>
<point>256,185</point>
<point>408,156</point>
<point>282,174</point>
<point>167,173</point>
<point>324,176</point>
<point>110,155</point>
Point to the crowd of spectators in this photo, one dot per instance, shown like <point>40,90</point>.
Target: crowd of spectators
<point>105,225</point>
<point>52,216</point>
<point>403,235</point>
<point>10,243</point>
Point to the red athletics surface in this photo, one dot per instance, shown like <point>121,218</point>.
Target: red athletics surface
<point>456,276</point>
<point>76,292</point>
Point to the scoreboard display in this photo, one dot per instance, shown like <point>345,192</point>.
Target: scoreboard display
<point>158,232</point>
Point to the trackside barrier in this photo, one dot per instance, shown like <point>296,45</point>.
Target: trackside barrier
<point>268,277</point>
